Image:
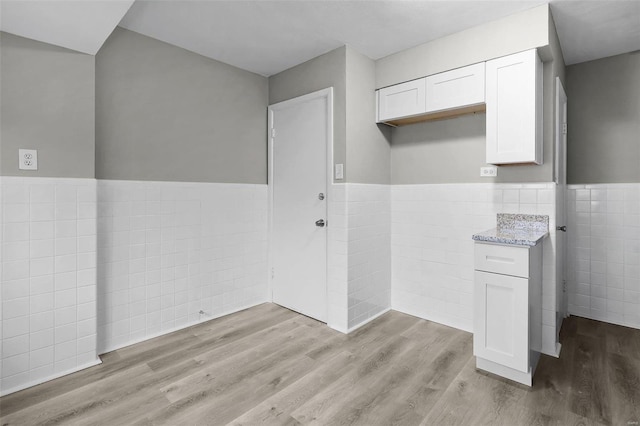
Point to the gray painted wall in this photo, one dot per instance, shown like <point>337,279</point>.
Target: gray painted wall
<point>552,69</point>
<point>368,143</point>
<point>47,96</point>
<point>445,151</point>
<point>328,70</point>
<point>603,141</point>
<point>455,148</point>
<point>164,113</point>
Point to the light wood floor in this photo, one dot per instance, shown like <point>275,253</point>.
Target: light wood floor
<point>268,365</point>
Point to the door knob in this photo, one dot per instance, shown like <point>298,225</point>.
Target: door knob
<point>561,228</point>
<point>321,196</point>
<point>320,223</point>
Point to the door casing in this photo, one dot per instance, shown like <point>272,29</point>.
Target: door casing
<point>561,202</point>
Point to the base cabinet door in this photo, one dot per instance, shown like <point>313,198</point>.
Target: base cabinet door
<point>501,320</point>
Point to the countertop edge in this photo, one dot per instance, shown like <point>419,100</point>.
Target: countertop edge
<point>525,242</point>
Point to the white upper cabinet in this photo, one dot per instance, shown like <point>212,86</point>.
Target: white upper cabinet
<point>448,94</point>
<point>456,89</point>
<point>514,109</point>
<point>402,100</point>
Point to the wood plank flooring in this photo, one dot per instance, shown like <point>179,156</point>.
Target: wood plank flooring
<point>268,365</point>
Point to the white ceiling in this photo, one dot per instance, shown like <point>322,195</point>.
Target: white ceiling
<point>78,25</point>
<point>596,29</point>
<point>267,36</point>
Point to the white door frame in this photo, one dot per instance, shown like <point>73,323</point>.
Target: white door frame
<point>328,95</point>
<point>558,130</point>
<point>560,141</point>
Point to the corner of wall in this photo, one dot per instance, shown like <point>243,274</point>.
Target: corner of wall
<point>368,147</point>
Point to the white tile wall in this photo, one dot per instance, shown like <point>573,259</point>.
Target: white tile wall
<point>604,252</point>
<point>48,279</point>
<point>337,259</point>
<point>359,254</point>
<point>169,250</point>
<point>432,249</point>
<point>369,252</point>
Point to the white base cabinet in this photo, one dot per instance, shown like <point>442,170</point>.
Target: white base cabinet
<point>508,310</point>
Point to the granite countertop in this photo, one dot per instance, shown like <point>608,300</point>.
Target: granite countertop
<point>516,229</point>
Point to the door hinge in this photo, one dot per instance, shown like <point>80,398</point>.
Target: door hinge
<point>564,128</point>
<point>564,286</point>
<point>273,132</point>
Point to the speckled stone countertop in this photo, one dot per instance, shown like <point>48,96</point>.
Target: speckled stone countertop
<point>516,229</point>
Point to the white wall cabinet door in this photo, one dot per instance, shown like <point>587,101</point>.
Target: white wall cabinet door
<point>456,88</point>
<point>501,323</point>
<point>514,109</point>
<point>402,100</point>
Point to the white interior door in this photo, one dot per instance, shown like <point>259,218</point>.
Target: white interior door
<point>300,134</point>
<point>561,210</point>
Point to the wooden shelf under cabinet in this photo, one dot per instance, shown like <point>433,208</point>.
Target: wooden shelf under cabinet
<point>440,115</point>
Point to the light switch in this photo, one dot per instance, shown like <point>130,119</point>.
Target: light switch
<point>27,159</point>
<point>339,171</point>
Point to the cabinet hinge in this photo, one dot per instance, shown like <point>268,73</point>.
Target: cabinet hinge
<point>564,128</point>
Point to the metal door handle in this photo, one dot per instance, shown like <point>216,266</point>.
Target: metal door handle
<point>320,223</point>
<point>561,228</point>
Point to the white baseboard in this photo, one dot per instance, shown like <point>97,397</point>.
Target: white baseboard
<point>174,329</point>
<point>51,377</point>
<point>368,320</point>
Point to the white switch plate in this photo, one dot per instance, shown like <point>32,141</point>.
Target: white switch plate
<point>28,159</point>
<point>339,171</point>
<point>489,171</point>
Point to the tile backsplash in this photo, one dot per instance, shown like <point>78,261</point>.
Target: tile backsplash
<point>432,250</point>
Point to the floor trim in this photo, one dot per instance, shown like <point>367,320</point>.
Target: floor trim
<point>51,377</point>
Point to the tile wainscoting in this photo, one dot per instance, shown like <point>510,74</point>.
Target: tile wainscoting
<point>48,288</point>
<point>604,252</point>
<point>359,257</point>
<point>337,258</point>
<point>168,251</point>
<point>369,252</point>
<point>432,251</point>
<point>172,254</point>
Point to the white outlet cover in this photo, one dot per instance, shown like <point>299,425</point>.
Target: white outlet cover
<point>491,171</point>
<point>28,159</point>
<point>339,171</point>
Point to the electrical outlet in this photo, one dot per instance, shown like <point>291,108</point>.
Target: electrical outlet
<point>28,159</point>
<point>489,171</point>
<point>339,171</point>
